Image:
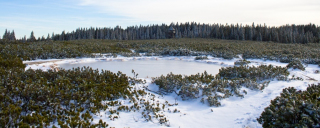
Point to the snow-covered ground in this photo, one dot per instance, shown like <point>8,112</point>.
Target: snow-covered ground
<point>234,112</point>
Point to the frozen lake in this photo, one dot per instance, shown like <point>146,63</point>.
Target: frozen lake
<point>150,68</point>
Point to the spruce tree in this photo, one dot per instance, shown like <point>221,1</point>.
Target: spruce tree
<point>52,37</point>
<point>5,35</point>
<point>12,36</point>
<point>48,37</point>
<point>32,38</point>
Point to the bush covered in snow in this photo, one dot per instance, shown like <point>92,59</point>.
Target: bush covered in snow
<point>37,98</point>
<point>241,62</point>
<point>68,97</point>
<point>296,64</point>
<point>225,84</point>
<point>201,58</point>
<point>259,73</point>
<point>293,109</point>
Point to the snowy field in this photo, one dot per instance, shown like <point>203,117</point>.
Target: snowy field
<point>234,112</point>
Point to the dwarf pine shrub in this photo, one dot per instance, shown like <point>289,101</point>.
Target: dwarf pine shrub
<point>226,83</point>
<point>201,58</point>
<point>241,62</point>
<point>296,64</point>
<point>293,109</point>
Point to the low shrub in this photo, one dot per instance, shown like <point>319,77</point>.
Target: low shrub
<point>261,72</point>
<point>227,83</point>
<point>293,109</point>
<point>242,62</point>
<point>296,64</point>
<point>201,58</point>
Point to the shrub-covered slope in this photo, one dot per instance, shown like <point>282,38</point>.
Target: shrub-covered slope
<point>226,83</point>
<point>227,49</point>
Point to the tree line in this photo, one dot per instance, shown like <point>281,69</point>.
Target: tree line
<point>309,33</point>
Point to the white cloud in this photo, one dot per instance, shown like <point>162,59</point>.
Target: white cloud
<point>272,12</point>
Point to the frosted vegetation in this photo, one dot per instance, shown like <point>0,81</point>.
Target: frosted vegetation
<point>72,98</point>
<point>293,109</point>
<point>228,82</point>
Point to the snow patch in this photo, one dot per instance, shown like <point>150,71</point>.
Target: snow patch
<point>233,112</point>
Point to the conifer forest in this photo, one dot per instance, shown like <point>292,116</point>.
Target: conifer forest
<point>71,98</point>
<point>309,33</point>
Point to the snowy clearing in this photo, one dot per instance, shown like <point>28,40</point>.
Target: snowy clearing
<point>233,112</point>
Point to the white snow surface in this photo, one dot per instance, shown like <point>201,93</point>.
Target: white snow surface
<point>234,112</point>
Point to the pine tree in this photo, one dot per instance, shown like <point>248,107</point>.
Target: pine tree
<point>12,36</point>
<point>101,34</point>
<point>24,39</point>
<point>62,36</point>
<point>52,37</point>
<point>48,37</point>
<point>5,35</point>
<point>32,38</point>
<point>259,38</point>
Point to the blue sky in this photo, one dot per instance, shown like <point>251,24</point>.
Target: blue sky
<point>47,16</point>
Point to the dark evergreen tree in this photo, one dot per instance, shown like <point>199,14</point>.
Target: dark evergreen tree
<point>12,35</point>
<point>32,38</point>
<point>48,37</point>
<point>5,35</point>
<point>9,35</point>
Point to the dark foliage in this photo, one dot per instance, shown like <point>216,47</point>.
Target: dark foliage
<point>225,84</point>
<point>38,98</point>
<point>241,62</point>
<point>293,109</point>
<point>201,58</point>
<point>259,73</point>
<point>309,33</point>
<point>70,97</point>
<point>296,64</point>
<point>307,53</point>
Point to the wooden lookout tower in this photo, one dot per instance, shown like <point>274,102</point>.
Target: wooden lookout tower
<point>171,32</point>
